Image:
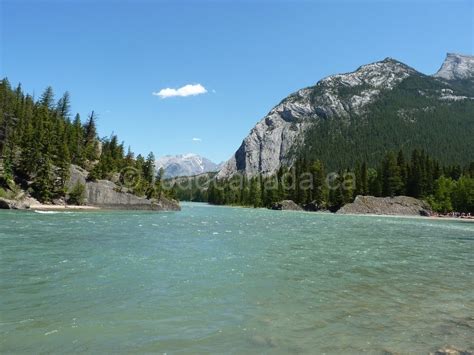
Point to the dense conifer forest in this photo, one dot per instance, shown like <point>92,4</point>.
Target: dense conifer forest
<point>411,116</point>
<point>447,188</point>
<point>40,139</point>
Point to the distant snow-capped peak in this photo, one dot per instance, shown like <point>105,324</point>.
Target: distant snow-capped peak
<point>185,165</point>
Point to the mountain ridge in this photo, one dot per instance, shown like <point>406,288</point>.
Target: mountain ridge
<point>339,101</point>
<point>185,165</point>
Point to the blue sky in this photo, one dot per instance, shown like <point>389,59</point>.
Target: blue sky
<point>248,55</point>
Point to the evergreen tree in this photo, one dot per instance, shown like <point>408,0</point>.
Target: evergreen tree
<point>391,180</point>
<point>149,168</point>
<point>47,98</point>
<point>43,185</point>
<point>90,138</point>
<point>63,107</point>
<point>256,191</point>
<point>319,183</point>
<point>403,172</point>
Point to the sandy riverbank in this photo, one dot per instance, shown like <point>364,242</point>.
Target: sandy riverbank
<point>42,207</point>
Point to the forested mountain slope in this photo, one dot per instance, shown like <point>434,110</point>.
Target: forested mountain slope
<point>381,106</point>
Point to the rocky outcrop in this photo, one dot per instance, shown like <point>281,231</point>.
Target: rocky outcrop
<point>76,175</point>
<point>341,101</point>
<point>286,205</point>
<point>101,193</point>
<point>398,205</point>
<point>457,67</point>
<point>270,142</point>
<point>6,204</point>
<point>106,194</point>
<point>452,350</point>
<point>21,202</point>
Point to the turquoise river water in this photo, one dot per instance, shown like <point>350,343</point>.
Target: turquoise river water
<point>233,280</point>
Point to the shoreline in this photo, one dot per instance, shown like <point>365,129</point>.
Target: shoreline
<point>42,207</point>
<point>434,218</point>
<point>45,207</point>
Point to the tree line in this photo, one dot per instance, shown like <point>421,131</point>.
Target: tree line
<point>39,140</point>
<point>446,188</point>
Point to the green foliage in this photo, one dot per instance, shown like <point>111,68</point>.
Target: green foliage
<point>38,143</point>
<point>441,200</point>
<point>77,194</point>
<point>447,189</point>
<point>463,195</point>
<point>411,116</point>
<point>391,178</point>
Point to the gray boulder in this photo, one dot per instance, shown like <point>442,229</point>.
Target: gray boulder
<point>76,175</point>
<point>452,350</point>
<point>106,194</point>
<point>398,205</point>
<point>6,204</point>
<point>286,205</point>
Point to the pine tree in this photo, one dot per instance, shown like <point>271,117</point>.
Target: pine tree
<point>319,183</point>
<point>90,138</point>
<point>391,180</point>
<point>256,192</point>
<point>149,168</point>
<point>47,98</point>
<point>403,172</point>
<point>43,185</point>
<point>77,141</point>
<point>63,107</point>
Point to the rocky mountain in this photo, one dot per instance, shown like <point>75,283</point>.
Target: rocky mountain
<point>185,165</point>
<point>457,67</point>
<point>359,115</point>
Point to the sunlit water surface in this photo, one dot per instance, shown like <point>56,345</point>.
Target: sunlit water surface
<point>233,280</point>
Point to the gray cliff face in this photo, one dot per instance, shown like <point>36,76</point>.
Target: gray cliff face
<point>456,67</point>
<point>273,140</point>
<point>106,194</point>
<point>398,205</point>
<point>269,143</point>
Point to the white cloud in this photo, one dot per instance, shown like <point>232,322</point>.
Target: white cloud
<point>197,140</point>
<point>186,90</point>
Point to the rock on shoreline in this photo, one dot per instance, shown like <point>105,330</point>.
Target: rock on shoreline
<point>6,204</point>
<point>101,194</point>
<point>398,205</point>
<point>286,205</point>
<point>104,194</point>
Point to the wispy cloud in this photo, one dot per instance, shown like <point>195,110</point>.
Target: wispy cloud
<point>197,140</point>
<point>186,90</point>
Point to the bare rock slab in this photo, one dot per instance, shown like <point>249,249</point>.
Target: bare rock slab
<point>398,205</point>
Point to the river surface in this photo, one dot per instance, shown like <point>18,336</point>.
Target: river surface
<point>233,280</point>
